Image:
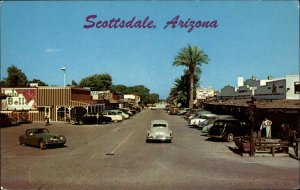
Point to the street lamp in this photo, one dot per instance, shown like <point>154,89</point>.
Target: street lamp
<point>64,98</point>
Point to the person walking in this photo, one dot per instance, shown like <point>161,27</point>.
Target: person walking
<point>47,118</point>
<point>267,125</point>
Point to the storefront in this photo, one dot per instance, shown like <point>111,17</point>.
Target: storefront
<point>58,103</point>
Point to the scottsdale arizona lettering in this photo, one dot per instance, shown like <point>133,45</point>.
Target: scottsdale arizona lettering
<point>146,23</point>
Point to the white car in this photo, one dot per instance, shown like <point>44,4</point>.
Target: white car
<point>159,130</point>
<point>119,112</point>
<point>202,118</point>
<point>114,116</point>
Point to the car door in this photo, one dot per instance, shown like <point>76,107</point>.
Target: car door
<point>31,137</point>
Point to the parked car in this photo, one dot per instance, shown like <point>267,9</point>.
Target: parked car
<point>173,110</point>
<point>92,119</point>
<point>229,128</point>
<point>206,125</point>
<point>126,111</point>
<point>119,112</point>
<point>6,121</point>
<point>159,130</point>
<point>114,116</point>
<point>198,114</point>
<point>153,107</point>
<point>183,111</point>
<point>190,113</point>
<point>41,137</point>
<point>201,118</point>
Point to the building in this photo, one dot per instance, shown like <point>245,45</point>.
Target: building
<point>204,93</point>
<point>287,87</point>
<point>58,102</point>
<point>111,100</point>
<point>132,100</point>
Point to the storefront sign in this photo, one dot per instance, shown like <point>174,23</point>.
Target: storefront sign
<point>19,99</point>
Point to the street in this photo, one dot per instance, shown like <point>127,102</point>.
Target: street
<point>116,156</point>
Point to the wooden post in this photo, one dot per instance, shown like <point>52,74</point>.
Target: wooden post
<point>252,108</point>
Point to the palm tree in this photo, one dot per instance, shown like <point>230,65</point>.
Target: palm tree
<point>192,58</point>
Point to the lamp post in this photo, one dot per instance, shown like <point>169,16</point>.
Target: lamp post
<point>64,93</point>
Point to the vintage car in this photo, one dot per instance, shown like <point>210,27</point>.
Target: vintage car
<point>206,125</point>
<point>159,130</point>
<point>201,118</point>
<point>92,119</point>
<point>173,110</point>
<point>121,113</point>
<point>229,128</point>
<point>114,116</point>
<point>6,121</point>
<point>42,138</point>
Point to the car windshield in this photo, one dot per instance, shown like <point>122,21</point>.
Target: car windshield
<point>159,125</point>
<point>41,131</point>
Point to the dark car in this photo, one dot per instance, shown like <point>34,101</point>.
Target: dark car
<point>229,128</point>
<point>6,120</point>
<point>42,138</point>
<point>92,119</point>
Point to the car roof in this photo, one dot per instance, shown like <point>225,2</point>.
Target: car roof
<point>36,128</point>
<point>159,122</point>
<point>228,119</point>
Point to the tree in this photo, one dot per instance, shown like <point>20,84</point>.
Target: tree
<point>15,77</point>
<point>97,82</point>
<point>74,83</point>
<point>179,92</point>
<point>153,98</point>
<point>118,89</point>
<point>40,83</point>
<point>192,58</point>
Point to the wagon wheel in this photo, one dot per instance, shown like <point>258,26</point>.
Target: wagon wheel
<point>42,145</point>
<point>229,137</point>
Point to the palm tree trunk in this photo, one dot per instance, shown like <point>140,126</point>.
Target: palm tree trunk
<point>191,90</point>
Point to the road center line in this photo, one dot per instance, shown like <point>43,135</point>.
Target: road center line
<point>119,145</point>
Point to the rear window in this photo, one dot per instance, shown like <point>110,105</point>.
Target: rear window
<point>159,125</point>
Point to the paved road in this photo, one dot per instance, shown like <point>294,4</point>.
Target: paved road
<point>115,156</point>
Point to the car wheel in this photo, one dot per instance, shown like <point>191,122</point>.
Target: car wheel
<point>229,137</point>
<point>42,145</point>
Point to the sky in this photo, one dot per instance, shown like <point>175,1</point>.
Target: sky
<point>245,38</point>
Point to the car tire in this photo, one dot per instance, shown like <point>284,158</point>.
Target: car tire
<point>229,137</point>
<point>42,145</point>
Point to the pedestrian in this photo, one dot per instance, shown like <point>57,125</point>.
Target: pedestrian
<point>266,124</point>
<point>47,118</point>
<point>288,134</point>
<point>68,119</point>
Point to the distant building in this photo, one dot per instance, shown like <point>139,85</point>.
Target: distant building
<point>204,93</point>
<point>287,87</point>
<point>111,100</point>
<point>161,105</point>
<point>132,99</point>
